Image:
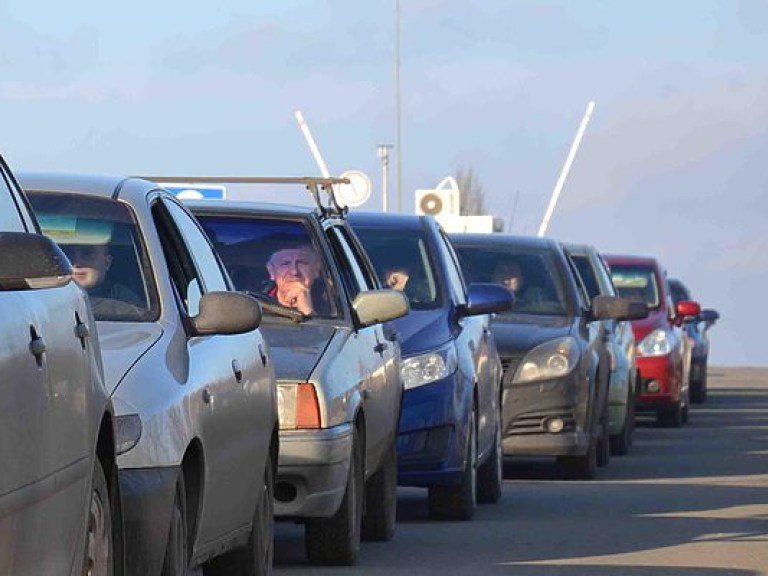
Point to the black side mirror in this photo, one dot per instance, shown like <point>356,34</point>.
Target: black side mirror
<point>32,262</point>
<point>709,317</point>
<point>487,298</point>
<point>226,313</point>
<point>613,307</point>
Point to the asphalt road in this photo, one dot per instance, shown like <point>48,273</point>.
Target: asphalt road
<point>685,502</point>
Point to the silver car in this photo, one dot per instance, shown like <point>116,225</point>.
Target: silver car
<point>620,342</point>
<point>59,501</point>
<point>190,375</point>
<point>337,364</point>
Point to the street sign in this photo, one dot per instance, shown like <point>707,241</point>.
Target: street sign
<point>197,191</point>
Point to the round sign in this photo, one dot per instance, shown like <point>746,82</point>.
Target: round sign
<point>357,191</point>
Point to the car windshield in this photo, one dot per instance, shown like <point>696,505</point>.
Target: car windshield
<point>531,273</point>
<point>635,282</point>
<point>109,260</point>
<point>401,259</point>
<point>276,259</point>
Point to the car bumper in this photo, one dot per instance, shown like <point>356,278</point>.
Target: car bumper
<point>529,408</point>
<point>431,436</point>
<point>659,370</point>
<point>312,472</point>
<point>147,495</point>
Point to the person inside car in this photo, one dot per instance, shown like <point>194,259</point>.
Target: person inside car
<point>293,270</point>
<point>90,269</point>
<point>396,277</point>
<point>509,274</point>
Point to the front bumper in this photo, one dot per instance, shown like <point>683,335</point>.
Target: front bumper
<point>147,495</point>
<point>527,409</point>
<point>431,435</point>
<point>312,471</point>
<point>659,369</point>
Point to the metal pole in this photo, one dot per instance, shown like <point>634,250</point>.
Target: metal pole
<point>383,152</point>
<point>398,139</point>
<point>566,169</point>
<point>312,144</point>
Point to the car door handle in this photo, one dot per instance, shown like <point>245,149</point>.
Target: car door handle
<point>37,347</point>
<point>81,330</point>
<point>262,355</point>
<point>237,370</point>
<point>380,347</point>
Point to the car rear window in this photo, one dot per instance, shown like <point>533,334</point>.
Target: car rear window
<point>540,288</point>
<point>402,261</point>
<point>109,260</point>
<point>636,282</point>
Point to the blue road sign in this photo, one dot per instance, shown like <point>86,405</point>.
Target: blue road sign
<point>197,191</point>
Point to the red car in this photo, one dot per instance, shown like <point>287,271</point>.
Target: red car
<point>663,351</point>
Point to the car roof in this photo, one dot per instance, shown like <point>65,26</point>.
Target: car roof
<point>627,260</point>
<point>104,186</point>
<point>502,240</point>
<point>389,220</point>
<point>245,206</point>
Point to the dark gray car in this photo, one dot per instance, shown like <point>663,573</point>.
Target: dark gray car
<point>552,346</point>
<point>337,365</point>
<point>59,502</point>
<point>190,375</point>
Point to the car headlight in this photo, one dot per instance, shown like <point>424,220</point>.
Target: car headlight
<point>297,406</point>
<point>550,360</point>
<point>127,432</point>
<point>429,367</point>
<point>657,343</point>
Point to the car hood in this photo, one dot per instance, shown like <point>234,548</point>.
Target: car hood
<point>516,334</point>
<point>644,326</point>
<point>122,344</point>
<point>423,330</point>
<point>296,348</point>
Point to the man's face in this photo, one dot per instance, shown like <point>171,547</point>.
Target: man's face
<point>509,276</point>
<point>89,264</point>
<point>293,265</point>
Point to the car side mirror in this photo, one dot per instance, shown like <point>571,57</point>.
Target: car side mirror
<point>709,317</point>
<point>487,298</point>
<point>32,262</point>
<point>686,309</point>
<point>606,307</point>
<point>377,306</point>
<point>226,313</point>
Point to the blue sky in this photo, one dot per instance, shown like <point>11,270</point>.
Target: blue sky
<point>673,164</point>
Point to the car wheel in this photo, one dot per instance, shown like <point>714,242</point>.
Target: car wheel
<point>686,408</point>
<point>255,559</point>
<point>99,557</point>
<point>582,467</point>
<point>459,502</point>
<point>176,559</point>
<point>381,500</point>
<point>490,475</point>
<point>670,416</point>
<point>698,388</point>
<point>335,541</point>
<point>621,442</point>
<point>604,440</point>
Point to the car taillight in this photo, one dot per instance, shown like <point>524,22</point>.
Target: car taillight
<point>307,406</point>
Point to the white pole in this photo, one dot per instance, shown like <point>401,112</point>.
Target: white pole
<point>312,144</point>
<point>566,169</point>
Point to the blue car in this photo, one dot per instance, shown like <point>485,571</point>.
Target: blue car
<point>449,436</point>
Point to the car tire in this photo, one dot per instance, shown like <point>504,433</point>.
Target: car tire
<point>583,467</point>
<point>490,475</point>
<point>255,559</point>
<point>459,502</point>
<point>176,561</point>
<point>335,541</point>
<point>604,439</point>
<point>670,416</point>
<point>698,389</point>
<point>99,545</point>
<point>381,500</point>
<point>621,442</point>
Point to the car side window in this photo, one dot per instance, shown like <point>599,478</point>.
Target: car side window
<point>11,219</point>
<point>455,276</point>
<point>351,273</point>
<point>208,265</point>
<point>587,275</point>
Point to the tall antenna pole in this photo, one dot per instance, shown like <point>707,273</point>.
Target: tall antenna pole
<point>566,169</point>
<point>398,139</point>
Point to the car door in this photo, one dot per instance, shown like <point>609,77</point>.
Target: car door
<point>380,384</point>
<point>229,373</point>
<point>45,438</point>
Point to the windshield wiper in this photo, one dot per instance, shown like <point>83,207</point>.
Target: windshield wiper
<point>269,306</point>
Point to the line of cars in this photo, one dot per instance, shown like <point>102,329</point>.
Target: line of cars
<point>236,363</point>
